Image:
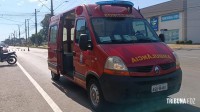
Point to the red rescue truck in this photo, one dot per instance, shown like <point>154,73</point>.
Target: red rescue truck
<point>110,50</point>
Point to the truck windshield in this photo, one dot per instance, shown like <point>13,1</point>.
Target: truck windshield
<point>123,30</point>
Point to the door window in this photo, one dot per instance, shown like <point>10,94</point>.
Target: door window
<point>80,29</point>
<point>53,34</point>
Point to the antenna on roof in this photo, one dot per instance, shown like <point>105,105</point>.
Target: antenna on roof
<point>138,9</point>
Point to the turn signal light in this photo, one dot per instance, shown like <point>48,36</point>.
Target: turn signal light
<point>116,72</point>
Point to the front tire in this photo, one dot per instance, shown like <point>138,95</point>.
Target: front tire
<point>11,60</point>
<point>95,95</point>
<point>55,77</point>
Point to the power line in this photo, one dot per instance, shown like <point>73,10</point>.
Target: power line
<point>6,16</point>
<point>14,15</point>
<point>20,15</point>
<point>44,4</point>
<point>8,24</point>
<point>10,20</point>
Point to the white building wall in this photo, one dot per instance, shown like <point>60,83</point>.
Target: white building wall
<point>171,25</point>
<point>193,20</point>
<point>189,22</point>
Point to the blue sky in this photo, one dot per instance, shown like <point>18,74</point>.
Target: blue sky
<point>14,12</point>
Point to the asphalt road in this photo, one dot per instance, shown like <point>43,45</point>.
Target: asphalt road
<point>27,87</point>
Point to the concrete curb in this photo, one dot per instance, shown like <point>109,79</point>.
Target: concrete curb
<point>184,47</point>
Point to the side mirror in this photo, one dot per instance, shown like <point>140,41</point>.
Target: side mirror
<point>162,37</point>
<point>83,42</point>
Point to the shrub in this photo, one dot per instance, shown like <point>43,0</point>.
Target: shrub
<point>184,42</point>
<point>189,42</point>
<point>181,42</point>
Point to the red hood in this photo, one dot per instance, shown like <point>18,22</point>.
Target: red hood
<point>141,54</point>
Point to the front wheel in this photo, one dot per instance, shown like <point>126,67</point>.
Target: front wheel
<point>95,95</point>
<point>55,77</point>
<point>11,60</point>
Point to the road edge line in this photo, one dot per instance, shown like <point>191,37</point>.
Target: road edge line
<point>48,99</point>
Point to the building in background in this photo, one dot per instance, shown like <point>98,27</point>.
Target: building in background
<point>179,20</point>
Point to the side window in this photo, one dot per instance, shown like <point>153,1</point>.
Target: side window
<point>139,27</point>
<point>142,30</point>
<point>64,34</point>
<point>53,34</point>
<point>80,29</point>
<point>72,33</point>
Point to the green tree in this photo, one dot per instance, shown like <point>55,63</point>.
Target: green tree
<point>7,41</point>
<point>36,39</point>
<point>45,25</point>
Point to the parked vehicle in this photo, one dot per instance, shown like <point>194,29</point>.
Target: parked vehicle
<point>110,50</point>
<point>9,57</point>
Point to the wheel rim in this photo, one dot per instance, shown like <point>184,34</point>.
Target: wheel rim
<point>94,94</point>
<point>11,60</point>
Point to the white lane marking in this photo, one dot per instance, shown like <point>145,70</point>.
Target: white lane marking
<point>48,99</point>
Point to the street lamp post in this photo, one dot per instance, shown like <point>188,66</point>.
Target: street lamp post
<point>28,35</point>
<point>52,8</point>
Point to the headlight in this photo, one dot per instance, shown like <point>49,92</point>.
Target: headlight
<point>177,59</point>
<point>115,63</point>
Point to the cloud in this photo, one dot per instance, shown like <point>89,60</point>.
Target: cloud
<point>33,0</point>
<point>39,1</point>
<point>20,3</point>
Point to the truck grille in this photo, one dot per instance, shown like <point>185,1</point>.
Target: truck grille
<point>167,66</point>
<point>141,69</point>
<point>146,69</point>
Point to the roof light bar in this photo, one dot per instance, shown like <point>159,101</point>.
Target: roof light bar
<point>120,3</point>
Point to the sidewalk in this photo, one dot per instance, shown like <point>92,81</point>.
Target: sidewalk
<point>184,47</point>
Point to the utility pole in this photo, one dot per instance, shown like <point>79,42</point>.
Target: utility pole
<point>16,35</point>
<point>52,8</point>
<point>9,40</point>
<point>35,21</point>
<point>14,38</point>
<point>25,31</point>
<point>19,31</point>
<point>36,41</point>
<point>28,28</point>
<point>28,35</point>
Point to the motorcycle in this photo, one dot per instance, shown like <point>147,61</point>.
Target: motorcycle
<point>10,57</point>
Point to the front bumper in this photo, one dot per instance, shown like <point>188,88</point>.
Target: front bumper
<point>122,89</point>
